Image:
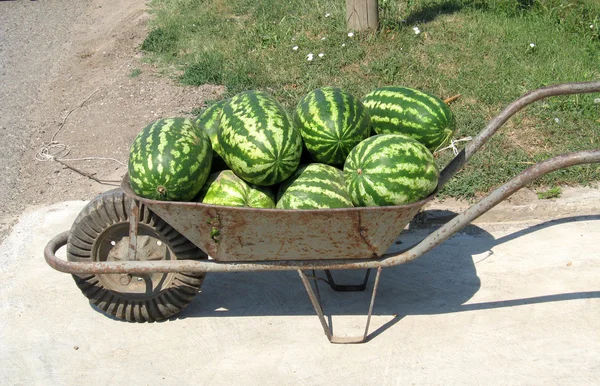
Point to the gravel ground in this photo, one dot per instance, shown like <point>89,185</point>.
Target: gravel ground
<point>34,43</point>
<point>65,71</point>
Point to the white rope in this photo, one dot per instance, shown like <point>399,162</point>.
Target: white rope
<point>453,145</point>
<point>51,151</point>
<point>47,154</point>
<point>94,159</point>
<point>57,151</point>
<point>69,113</point>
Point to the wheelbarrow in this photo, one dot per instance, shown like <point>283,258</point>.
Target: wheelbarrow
<point>143,260</point>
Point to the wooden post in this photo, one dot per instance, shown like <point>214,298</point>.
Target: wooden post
<point>362,15</point>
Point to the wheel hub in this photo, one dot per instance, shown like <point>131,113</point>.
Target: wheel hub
<point>113,245</point>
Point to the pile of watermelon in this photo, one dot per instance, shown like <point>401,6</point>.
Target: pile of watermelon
<point>333,151</point>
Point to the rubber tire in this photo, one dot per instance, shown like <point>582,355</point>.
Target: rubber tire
<point>110,211</point>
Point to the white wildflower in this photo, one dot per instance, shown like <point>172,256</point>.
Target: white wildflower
<point>343,44</point>
<point>293,39</point>
<point>417,30</point>
<point>321,55</point>
<point>591,26</point>
<point>324,37</point>
<point>597,100</point>
<point>310,57</point>
<point>295,48</point>
<point>556,120</point>
<point>531,45</point>
<point>350,34</point>
<point>327,14</point>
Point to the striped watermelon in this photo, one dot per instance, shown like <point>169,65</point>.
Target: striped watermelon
<point>331,122</point>
<point>208,120</point>
<point>390,169</point>
<point>258,139</point>
<point>403,110</point>
<point>169,160</point>
<point>227,189</point>
<point>314,186</point>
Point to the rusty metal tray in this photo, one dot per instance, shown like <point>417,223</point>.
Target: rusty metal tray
<point>249,234</point>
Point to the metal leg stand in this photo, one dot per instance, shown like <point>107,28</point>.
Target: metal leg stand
<point>347,287</point>
<point>315,300</point>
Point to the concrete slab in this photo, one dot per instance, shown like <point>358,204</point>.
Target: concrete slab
<point>521,206</point>
<point>495,304</point>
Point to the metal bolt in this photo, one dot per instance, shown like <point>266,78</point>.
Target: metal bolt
<point>125,279</point>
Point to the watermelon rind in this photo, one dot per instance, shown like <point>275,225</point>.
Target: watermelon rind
<point>314,186</point>
<point>208,121</point>
<point>412,112</point>
<point>331,122</point>
<point>259,141</point>
<point>169,160</point>
<point>390,169</point>
<point>226,189</point>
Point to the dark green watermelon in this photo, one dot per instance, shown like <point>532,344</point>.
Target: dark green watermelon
<point>415,113</point>
<point>331,122</point>
<point>390,169</point>
<point>170,160</point>
<point>208,120</point>
<point>314,186</point>
<point>227,189</point>
<point>259,142</point>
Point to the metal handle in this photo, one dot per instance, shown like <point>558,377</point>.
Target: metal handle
<point>54,245</point>
<point>560,89</point>
<point>498,195</point>
<point>388,260</point>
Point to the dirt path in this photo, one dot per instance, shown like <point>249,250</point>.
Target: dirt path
<point>66,74</point>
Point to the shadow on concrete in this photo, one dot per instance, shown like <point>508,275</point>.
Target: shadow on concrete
<point>439,282</point>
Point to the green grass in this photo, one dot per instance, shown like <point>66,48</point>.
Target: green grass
<point>479,49</point>
<point>135,73</point>
<point>554,192</point>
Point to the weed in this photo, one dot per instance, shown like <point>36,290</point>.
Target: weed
<point>208,69</point>
<point>550,193</point>
<point>160,41</point>
<point>135,73</point>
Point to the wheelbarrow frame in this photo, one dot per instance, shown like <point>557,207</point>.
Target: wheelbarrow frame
<point>378,262</point>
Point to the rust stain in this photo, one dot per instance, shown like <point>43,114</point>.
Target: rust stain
<point>244,243</point>
<point>363,232</point>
